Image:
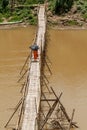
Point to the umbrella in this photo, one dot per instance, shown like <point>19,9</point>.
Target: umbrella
<point>34,47</point>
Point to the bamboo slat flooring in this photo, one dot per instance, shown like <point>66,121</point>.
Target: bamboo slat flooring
<point>32,100</point>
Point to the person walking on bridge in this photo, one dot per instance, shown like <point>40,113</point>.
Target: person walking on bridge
<point>35,48</point>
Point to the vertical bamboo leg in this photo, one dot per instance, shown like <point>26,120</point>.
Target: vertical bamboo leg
<point>13,114</point>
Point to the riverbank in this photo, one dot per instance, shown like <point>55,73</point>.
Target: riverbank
<point>61,27</point>
<point>53,21</point>
<point>75,18</point>
<point>20,14</point>
<point>50,25</point>
<point>66,22</point>
<point>9,25</point>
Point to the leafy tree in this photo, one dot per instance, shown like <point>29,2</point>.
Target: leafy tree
<point>61,6</point>
<point>5,4</point>
<point>12,5</point>
<point>0,6</point>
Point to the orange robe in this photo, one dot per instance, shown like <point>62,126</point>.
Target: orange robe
<point>35,52</point>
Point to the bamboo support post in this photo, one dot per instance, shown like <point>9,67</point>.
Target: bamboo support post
<point>50,111</point>
<point>48,59</point>
<point>71,119</point>
<point>23,85</point>
<point>60,125</point>
<point>45,78</point>
<point>46,100</point>
<point>19,102</point>
<point>49,100</point>
<point>19,120</point>
<point>48,67</point>
<point>13,114</point>
<point>25,63</point>
<point>63,109</point>
<point>23,75</point>
<point>46,85</point>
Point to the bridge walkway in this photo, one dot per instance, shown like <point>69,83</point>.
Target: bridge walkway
<point>32,101</point>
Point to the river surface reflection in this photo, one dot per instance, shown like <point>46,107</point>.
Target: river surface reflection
<point>14,48</point>
<point>67,50</point>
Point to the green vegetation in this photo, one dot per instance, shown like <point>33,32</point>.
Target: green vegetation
<point>1,20</point>
<point>27,13</point>
<point>60,6</point>
<point>34,1</point>
<point>24,10</point>
<point>24,14</point>
<point>63,6</point>
<point>3,5</point>
<point>72,22</point>
<point>68,12</point>
<point>82,7</point>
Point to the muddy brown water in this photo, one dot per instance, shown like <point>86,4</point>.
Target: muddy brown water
<point>14,48</point>
<point>67,50</point>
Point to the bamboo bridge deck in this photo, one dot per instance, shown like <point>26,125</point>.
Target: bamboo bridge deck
<point>32,100</point>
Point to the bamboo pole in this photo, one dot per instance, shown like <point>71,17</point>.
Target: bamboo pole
<point>24,63</point>
<point>19,102</point>
<point>50,111</point>
<point>48,59</point>
<point>46,100</point>
<point>13,114</point>
<point>50,100</point>
<point>23,75</point>
<point>71,119</point>
<point>22,88</point>
<point>45,78</point>
<point>63,110</point>
<point>48,67</point>
<point>19,120</point>
<point>46,85</point>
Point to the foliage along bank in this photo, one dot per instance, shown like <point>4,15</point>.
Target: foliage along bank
<point>19,10</point>
<point>72,11</point>
<point>9,13</point>
<point>67,12</point>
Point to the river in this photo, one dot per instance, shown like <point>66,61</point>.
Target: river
<point>67,50</point>
<point>14,48</point>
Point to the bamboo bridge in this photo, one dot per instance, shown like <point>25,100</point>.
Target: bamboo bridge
<point>32,101</point>
<point>31,116</point>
